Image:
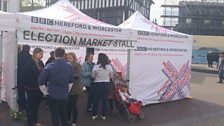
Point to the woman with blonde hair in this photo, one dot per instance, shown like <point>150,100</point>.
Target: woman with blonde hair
<point>72,109</point>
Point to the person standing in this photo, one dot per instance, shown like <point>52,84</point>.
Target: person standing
<point>221,67</point>
<point>102,73</point>
<point>23,57</point>
<point>87,81</point>
<point>59,75</point>
<point>72,107</point>
<point>31,72</point>
<point>51,58</point>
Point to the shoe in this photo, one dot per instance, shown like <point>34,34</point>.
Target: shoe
<point>89,110</point>
<point>219,82</point>
<point>37,124</point>
<point>103,117</point>
<point>94,117</point>
<point>73,124</point>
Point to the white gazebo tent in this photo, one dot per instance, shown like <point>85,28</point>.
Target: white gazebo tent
<point>64,10</point>
<point>160,66</point>
<point>66,31</point>
<point>7,26</point>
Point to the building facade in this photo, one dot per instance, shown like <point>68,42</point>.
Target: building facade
<point>201,18</point>
<point>9,5</point>
<point>170,13</point>
<point>196,17</point>
<point>111,11</point>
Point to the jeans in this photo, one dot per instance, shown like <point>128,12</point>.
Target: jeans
<point>58,111</point>
<point>100,93</point>
<point>72,108</point>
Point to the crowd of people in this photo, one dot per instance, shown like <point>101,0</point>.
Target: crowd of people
<point>61,79</point>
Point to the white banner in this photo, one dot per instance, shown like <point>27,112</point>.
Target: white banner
<point>160,67</point>
<point>32,29</point>
<point>118,59</point>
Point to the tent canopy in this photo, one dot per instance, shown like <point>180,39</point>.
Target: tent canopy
<point>138,22</point>
<point>64,10</point>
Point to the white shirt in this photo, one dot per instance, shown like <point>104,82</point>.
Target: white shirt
<point>102,75</point>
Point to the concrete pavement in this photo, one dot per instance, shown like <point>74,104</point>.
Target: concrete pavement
<point>205,109</point>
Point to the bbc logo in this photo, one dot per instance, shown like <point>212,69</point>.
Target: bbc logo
<point>41,20</point>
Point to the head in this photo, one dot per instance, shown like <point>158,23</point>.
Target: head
<point>71,58</point>
<point>19,48</point>
<point>103,60</point>
<point>26,48</point>
<point>38,53</point>
<point>59,53</point>
<point>109,61</point>
<point>52,53</point>
<point>124,88</point>
<point>89,57</point>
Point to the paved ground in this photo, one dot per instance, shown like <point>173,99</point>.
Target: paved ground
<point>205,109</point>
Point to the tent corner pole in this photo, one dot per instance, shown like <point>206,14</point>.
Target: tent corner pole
<point>1,40</point>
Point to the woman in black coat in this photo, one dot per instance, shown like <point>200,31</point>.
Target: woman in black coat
<point>31,73</point>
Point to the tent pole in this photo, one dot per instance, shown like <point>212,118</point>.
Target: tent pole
<point>128,70</point>
<point>1,40</point>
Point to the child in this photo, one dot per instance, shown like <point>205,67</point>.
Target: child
<point>132,104</point>
<point>125,96</point>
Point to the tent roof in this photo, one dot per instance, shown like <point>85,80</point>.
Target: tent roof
<point>138,22</point>
<point>7,21</point>
<point>64,10</point>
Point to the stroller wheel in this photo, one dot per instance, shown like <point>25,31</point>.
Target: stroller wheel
<point>131,118</point>
<point>141,116</point>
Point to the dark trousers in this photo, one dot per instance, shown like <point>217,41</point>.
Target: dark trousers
<point>90,95</point>
<point>72,108</point>
<point>100,93</point>
<point>22,99</point>
<point>58,111</point>
<point>221,76</point>
<point>33,103</point>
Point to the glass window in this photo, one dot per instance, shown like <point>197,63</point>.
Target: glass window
<point>118,2</point>
<point>100,3</point>
<point>122,2</point>
<point>206,21</point>
<point>0,4</point>
<point>5,6</point>
<point>189,21</point>
<point>82,4</point>
<point>111,3</point>
<point>93,3</point>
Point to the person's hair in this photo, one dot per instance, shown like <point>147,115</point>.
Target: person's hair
<point>26,48</point>
<point>59,52</point>
<point>52,53</point>
<point>222,53</point>
<point>73,56</point>
<point>102,60</point>
<point>87,56</point>
<point>37,50</point>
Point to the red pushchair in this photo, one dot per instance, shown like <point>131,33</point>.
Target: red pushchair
<point>131,106</point>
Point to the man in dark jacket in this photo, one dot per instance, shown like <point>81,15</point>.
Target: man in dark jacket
<point>59,75</point>
<point>23,57</point>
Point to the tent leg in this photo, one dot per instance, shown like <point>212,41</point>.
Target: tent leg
<point>1,39</point>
